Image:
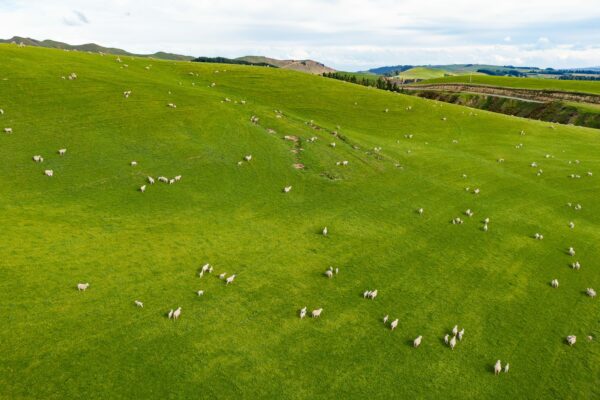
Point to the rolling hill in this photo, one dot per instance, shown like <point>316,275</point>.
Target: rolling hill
<point>310,66</point>
<point>423,73</point>
<point>90,222</point>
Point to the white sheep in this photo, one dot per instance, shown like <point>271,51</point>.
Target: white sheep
<point>151,180</point>
<point>38,158</point>
<point>287,189</point>
<point>139,303</point>
<point>222,276</point>
<point>133,163</point>
<point>49,172</point>
<point>506,367</point>
<point>590,292</point>
<point>455,330</point>
<point>571,251</point>
<point>461,334</point>
<point>177,313</point>
<point>171,181</point>
<point>170,314</point>
<point>143,188</point>
<point>571,224</point>
<point>200,292</point>
<point>554,283</point>
<point>82,286</point>
<point>452,342</point>
<point>230,279</point>
<point>373,294</point>
<point>385,319</point>
<point>447,339</point>
<point>571,340</point>
<point>205,267</point>
<point>177,178</point>
<point>303,313</point>
<point>420,211</point>
<point>329,273</point>
<point>497,368</point>
<point>317,313</point>
<point>417,341</point>
<point>163,179</point>
<point>8,130</point>
<point>325,231</point>
<point>394,324</point>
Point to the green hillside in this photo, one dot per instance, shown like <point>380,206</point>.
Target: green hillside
<point>89,222</point>
<point>423,73</point>
<point>525,83</point>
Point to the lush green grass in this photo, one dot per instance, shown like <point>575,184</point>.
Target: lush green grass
<point>524,83</point>
<point>89,223</point>
<point>423,73</point>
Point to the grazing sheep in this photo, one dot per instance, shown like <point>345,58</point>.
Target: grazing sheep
<point>205,267</point>
<point>571,340</point>
<point>49,172</point>
<point>447,339</point>
<point>177,178</point>
<point>133,163</point>
<point>1,111</point>
<point>455,330</point>
<point>151,180</point>
<point>222,276</point>
<point>230,279</point>
<point>139,303</point>
<point>576,265</point>
<point>366,293</point>
<point>200,292</point>
<point>394,324</point>
<point>485,227</point>
<point>325,231</point>
<point>571,224</point>
<point>170,314</point>
<point>82,286</point>
<point>506,367</point>
<point>476,191</point>
<point>200,274</point>
<point>127,93</point>
<point>177,313</point>
<point>143,188</point>
<point>287,189</point>
<point>38,158</point>
<point>332,144</point>
<point>316,313</point>
<point>329,273</point>
<point>469,213</point>
<point>8,130</point>
<point>210,270</point>
<point>373,294</point>
<point>171,181</point>
<point>171,105</point>
<point>420,211</point>
<point>385,319</point>
<point>417,341</point>
<point>538,236</point>
<point>452,342</point>
<point>461,334</point>
<point>590,292</point>
<point>163,179</point>
<point>248,157</point>
<point>554,283</point>
<point>303,313</point>
<point>497,368</point>
<point>571,251</point>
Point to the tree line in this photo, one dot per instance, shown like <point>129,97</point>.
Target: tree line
<point>379,83</point>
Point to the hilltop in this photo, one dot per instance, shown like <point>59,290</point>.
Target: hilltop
<point>91,223</point>
<point>310,66</point>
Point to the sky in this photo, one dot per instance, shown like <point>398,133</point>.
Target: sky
<point>344,34</point>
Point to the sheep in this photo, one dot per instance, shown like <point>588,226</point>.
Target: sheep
<point>170,314</point>
<point>325,231</point>
<point>205,267</point>
<point>394,324</point>
<point>139,303</point>
<point>177,313</point>
<point>230,279</point>
<point>1,111</point>
<point>254,119</point>
<point>571,251</point>
<point>469,213</point>
<point>506,367</point>
<point>222,276</point>
<point>476,191</point>
<point>446,339</point>
<point>538,236</point>
<point>452,342</point>
<point>497,368</point>
<point>8,130</point>
<point>366,293</point>
<point>486,221</point>
<point>143,188</point>
<point>38,159</point>
<point>151,180</point>
<point>373,294</point>
<point>303,312</point>
<point>200,274</point>
<point>49,172</point>
<point>316,313</point>
<point>177,178</point>
<point>572,225</point>
<point>171,105</point>
<point>200,292</point>
<point>534,164</point>
<point>576,265</point>
<point>385,319</point>
<point>210,270</point>
<point>420,211</point>
<point>455,330</point>
<point>485,227</point>
<point>287,189</point>
<point>133,163</point>
<point>461,334</point>
<point>329,273</point>
<point>248,157</point>
<point>571,340</point>
<point>171,181</point>
<point>590,292</point>
<point>127,93</point>
<point>554,283</point>
<point>163,179</point>
<point>417,341</point>
<point>332,144</point>
<point>82,286</point>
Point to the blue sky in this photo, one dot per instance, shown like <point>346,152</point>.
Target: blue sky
<point>344,34</point>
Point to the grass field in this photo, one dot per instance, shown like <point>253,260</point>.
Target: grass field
<point>90,223</point>
<point>524,83</point>
<point>423,73</point>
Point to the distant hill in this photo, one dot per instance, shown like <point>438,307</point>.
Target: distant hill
<point>92,47</point>
<point>310,66</point>
<point>458,69</point>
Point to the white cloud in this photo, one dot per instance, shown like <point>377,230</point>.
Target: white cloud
<point>347,34</point>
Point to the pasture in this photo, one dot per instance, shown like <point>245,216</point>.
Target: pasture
<point>90,223</point>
